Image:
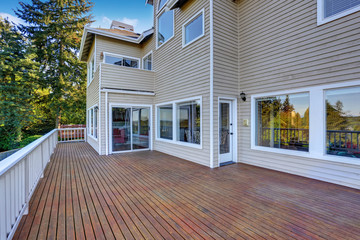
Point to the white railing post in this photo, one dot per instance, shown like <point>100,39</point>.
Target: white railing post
<point>27,184</point>
<point>3,216</point>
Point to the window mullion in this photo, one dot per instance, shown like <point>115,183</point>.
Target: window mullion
<point>174,122</point>
<point>317,123</point>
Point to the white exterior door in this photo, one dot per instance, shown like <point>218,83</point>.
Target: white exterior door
<point>226,128</point>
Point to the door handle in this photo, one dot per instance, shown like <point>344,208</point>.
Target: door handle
<point>231,133</point>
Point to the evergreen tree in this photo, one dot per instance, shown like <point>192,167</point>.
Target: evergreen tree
<point>56,27</point>
<point>18,73</point>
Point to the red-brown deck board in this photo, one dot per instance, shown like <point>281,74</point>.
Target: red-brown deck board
<point>151,195</point>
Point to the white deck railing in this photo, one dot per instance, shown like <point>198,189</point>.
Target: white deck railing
<point>20,174</point>
<point>72,134</point>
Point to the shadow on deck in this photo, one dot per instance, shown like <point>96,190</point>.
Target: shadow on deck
<point>151,195</point>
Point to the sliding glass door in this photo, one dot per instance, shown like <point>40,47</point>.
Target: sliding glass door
<point>130,128</point>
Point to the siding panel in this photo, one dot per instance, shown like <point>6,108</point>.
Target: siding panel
<point>281,47</point>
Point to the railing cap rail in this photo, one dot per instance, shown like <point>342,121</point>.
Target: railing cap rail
<point>12,160</point>
<point>79,128</point>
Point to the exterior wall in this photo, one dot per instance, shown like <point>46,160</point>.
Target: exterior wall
<point>280,47</point>
<point>119,77</point>
<point>183,73</point>
<point>225,60</point>
<point>120,99</point>
<point>115,46</point>
<point>92,98</point>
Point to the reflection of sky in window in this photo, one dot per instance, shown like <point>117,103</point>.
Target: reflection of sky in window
<point>300,102</point>
<point>161,3</point>
<point>350,98</point>
<point>166,23</point>
<point>194,29</point>
<point>166,113</point>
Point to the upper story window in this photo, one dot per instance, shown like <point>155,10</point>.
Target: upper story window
<point>147,61</point>
<point>193,29</point>
<point>91,69</point>
<point>329,10</point>
<point>161,4</point>
<point>165,27</point>
<point>121,60</point>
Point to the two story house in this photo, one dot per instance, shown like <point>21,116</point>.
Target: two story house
<point>274,84</point>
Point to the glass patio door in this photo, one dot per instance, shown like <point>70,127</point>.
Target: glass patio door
<point>225,131</point>
<point>130,128</point>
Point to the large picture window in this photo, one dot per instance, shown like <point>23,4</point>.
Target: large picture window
<point>193,29</point>
<point>165,29</point>
<point>180,122</point>
<point>121,60</point>
<point>343,122</point>
<point>188,122</point>
<point>165,116</point>
<point>283,121</point>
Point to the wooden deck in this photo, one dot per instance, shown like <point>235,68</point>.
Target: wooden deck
<point>150,195</point>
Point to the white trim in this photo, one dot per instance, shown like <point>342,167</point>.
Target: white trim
<point>211,84</point>
<point>157,29</point>
<point>106,125</point>
<point>99,127</point>
<point>320,13</point>
<point>111,105</point>
<point>234,127</point>
<point>152,61</point>
<point>174,121</point>
<point>92,56</point>
<point>128,92</point>
<point>200,13</point>
<point>162,8</point>
<point>121,56</point>
<point>317,127</point>
<point>91,135</point>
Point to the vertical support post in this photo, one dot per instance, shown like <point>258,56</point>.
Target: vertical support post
<point>26,184</point>
<point>3,216</point>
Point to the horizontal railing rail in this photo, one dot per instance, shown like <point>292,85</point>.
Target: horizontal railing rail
<point>72,134</point>
<point>19,175</point>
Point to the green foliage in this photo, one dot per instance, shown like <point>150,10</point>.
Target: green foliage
<point>28,140</point>
<point>18,77</point>
<point>336,118</point>
<point>55,27</point>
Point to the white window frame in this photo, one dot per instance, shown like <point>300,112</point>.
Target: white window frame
<point>163,7</point>
<point>320,13</point>
<point>120,56</point>
<point>174,118</point>
<point>317,128</point>
<point>157,27</point>
<point>91,121</point>
<point>90,69</point>
<point>152,61</point>
<point>202,13</point>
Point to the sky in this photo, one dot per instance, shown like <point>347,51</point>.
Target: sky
<point>133,12</point>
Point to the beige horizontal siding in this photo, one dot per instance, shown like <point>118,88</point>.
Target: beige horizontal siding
<point>119,77</point>
<point>115,46</point>
<point>92,98</point>
<point>185,72</point>
<point>281,47</point>
<point>225,60</point>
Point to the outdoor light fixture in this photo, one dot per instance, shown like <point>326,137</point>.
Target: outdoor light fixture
<point>243,96</point>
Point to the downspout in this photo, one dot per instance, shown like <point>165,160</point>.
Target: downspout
<point>211,84</point>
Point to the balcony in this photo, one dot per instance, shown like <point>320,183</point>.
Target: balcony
<point>151,195</point>
<point>126,78</point>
